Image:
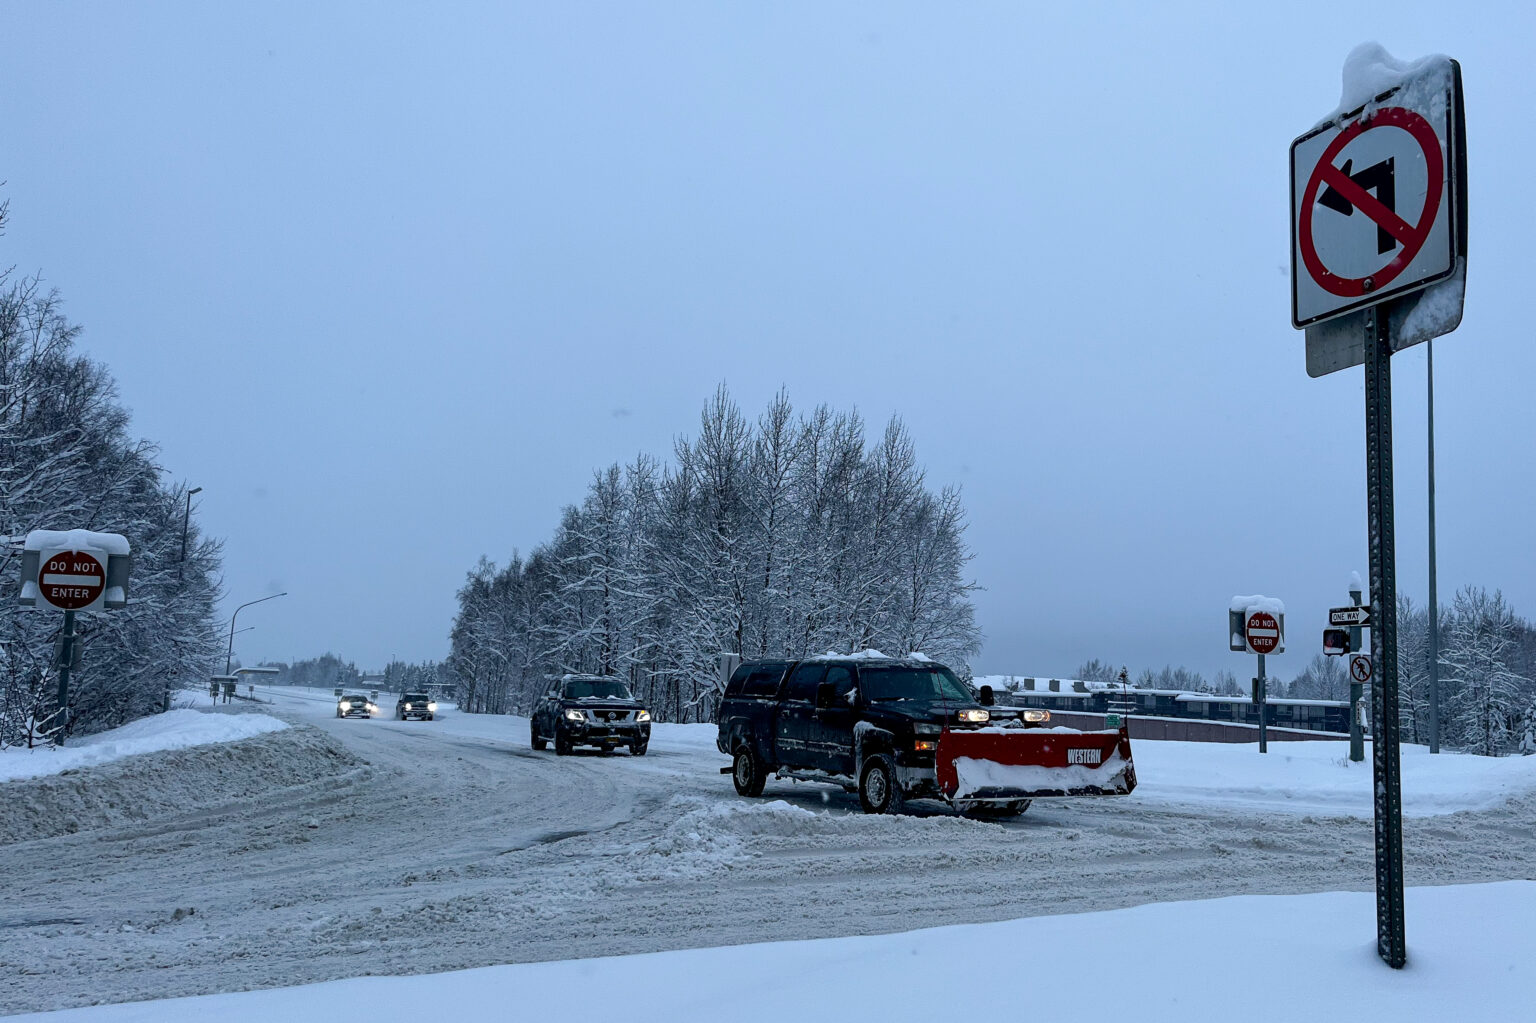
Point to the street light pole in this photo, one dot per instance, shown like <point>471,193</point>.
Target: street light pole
<point>186,520</point>
<point>1434,597</point>
<point>229,654</point>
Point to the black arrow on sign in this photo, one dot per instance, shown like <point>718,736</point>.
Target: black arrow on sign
<point>1378,177</point>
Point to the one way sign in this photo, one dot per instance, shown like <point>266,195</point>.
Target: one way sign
<point>1374,206</point>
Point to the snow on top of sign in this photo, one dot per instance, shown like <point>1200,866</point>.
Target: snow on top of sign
<point>1354,583</point>
<point>1257,602</point>
<point>76,540</point>
<point>1370,70</point>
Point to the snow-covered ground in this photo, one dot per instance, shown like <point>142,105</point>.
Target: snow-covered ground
<point>1257,958</point>
<point>175,729</point>
<point>397,848</point>
<point>1318,778</point>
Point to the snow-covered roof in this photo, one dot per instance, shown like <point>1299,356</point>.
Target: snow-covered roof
<point>77,540</point>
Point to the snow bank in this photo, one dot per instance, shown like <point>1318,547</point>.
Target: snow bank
<point>176,729</point>
<point>709,836</point>
<point>1468,947</point>
<point>173,782</point>
<point>1317,778</point>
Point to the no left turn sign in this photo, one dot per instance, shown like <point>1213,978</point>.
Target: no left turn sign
<point>1373,205</point>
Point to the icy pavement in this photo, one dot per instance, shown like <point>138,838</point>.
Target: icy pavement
<point>175,729</point>
<point>1468,946</point>
<point>458,846</point>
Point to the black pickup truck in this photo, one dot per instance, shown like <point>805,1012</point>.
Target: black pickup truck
<point>870,724</point>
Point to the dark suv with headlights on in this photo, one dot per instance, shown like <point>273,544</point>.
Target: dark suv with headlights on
<point>415,705</point>
<point>355,705</point>
<point>590,710</point>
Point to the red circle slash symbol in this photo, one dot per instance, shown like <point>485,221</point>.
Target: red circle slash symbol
<point>1360,668</point>
<point>1410,237</point>
<point>1263,632</point>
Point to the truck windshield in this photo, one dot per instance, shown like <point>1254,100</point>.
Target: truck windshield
<point>415,697</point>
<point>609,689</point>
<point>912,684</point>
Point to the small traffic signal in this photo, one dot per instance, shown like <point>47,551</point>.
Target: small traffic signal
<point>1335,642</point>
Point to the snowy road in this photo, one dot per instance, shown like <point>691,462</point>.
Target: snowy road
<point>459,846</point>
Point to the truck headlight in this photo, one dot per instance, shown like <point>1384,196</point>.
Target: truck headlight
<point>1036,715</point>
<point>643,715</point>
<point>432,708</point>
<point>925,745</point>
<point>975,716</point>
<point>575,715</point>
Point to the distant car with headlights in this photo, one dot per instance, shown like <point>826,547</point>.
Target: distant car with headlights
<point>415,705</point>
<point>356,705</point>
<point>590,710</point>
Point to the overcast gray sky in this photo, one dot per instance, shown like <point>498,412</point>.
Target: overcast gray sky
<point>388,282</point>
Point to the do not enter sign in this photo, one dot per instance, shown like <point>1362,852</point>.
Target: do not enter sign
<point>71,580</point>
<point>1262,632</point>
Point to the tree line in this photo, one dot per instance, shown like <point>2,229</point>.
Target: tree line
<point>67,460</point>
<point>784,535</point>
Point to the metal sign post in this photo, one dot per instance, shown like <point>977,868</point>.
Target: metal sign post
<point>1379,259</point>
<point>1356,689</point>
<point>1391,943</point>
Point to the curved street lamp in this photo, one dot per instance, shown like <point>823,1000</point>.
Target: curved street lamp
<point>229,654</point>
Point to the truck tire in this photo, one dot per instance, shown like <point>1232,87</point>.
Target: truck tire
<point>879,788</point>
<point>747,773</point>
<point>538,741</point>
<point>562,745</point>
<point>637,749</point>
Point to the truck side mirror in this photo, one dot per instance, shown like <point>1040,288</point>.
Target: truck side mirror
<point>987,698</point>
<point>826,695</point>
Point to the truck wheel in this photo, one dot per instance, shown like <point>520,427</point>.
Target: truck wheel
<point>747,773</point>
<point>879,789</point>
<point>637,749</point>
<point>562,745</point>
<point>539,742</point>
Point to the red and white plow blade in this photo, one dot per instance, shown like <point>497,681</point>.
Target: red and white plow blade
<point>1032,763</point>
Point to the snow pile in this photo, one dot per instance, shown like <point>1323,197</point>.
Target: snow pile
<point>1257,603</point>
<point>708,836</point>
<point>76,540</point>
<point>176,729</point>
<point>1370,70</point>
<point>1317,778</point>
<point>1468,946</point>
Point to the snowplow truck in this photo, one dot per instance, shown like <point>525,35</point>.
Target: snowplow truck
<point>892,729</point>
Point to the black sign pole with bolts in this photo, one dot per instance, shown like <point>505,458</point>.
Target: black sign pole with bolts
<point>1363,287</point>
<point>1387,767</point>
<point>1356,688</point>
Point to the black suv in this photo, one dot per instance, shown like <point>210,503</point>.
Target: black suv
<point>590,710</point>
<point>870,724</point>
<point>415,705</point>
